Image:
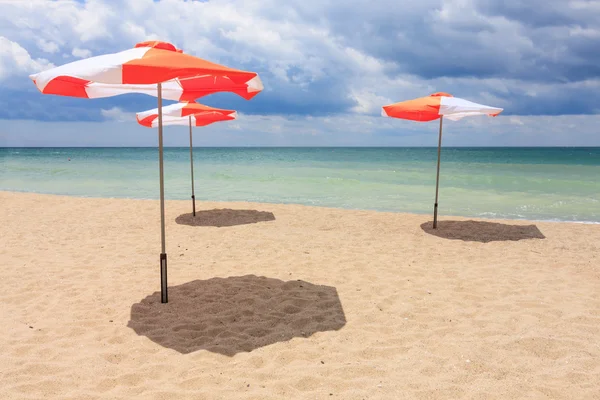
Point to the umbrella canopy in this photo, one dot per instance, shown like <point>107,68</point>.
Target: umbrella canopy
<point>184,89</point>
<point>200,119</point>
<point>437,106</point>
<point>147,118</point>
<point>178,89</point>
<point>203,115</point>
<point>158,44</point>
<point>148,63</point>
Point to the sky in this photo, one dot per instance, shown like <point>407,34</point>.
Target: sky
<point>327,67</point>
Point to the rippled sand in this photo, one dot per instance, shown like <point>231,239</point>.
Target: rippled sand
<point>283,301</point>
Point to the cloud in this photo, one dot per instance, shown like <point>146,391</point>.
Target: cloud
<point>516,121</point>
<point>319,59</point>
<point>15,60</point>
<point>117,114</point>
<point>530,40</point>
<point>47,46</point>
<point>81,53</point>
<point>367,102</point>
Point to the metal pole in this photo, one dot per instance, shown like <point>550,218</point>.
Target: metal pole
<point>164,298</point>
<point>437,179</point>
<point>192,169</point>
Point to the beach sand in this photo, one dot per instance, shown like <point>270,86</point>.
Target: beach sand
<point>274,301</point>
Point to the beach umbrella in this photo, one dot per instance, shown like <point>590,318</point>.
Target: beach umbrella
<point>437,106</point>
<point>189,113</point>
<point>178,89</point>
<point>181,88</point>
<point>148,63</point>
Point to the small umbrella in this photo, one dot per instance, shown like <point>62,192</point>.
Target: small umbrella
<point>432,107</point>
<point>197,115</point>
<point>182,109</point>
<point>148,63</point>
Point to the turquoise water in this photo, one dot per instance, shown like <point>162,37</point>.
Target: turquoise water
<point>521,183</point>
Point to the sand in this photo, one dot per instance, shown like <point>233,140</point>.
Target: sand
<point>292,302</point>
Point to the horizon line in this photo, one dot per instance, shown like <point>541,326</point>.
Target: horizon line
<point>285,147</point>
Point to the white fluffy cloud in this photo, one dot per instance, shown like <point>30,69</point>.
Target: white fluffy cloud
<point>15,60</point>
<point>47,46</point>
<point>81,53</point>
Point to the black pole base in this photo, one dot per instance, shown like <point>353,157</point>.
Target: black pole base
<point>193,205</point>
<point>164,296</point>
<point>435,209</point>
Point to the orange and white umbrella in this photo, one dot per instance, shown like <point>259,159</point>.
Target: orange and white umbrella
<point>148,63</point>
<point>200,119</point>
<point>437,106</point>
<point>192,114</point>
<point>183,109</point>
<point>115,74</point>
<point>184,89</point>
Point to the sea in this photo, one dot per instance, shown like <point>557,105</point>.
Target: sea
<point>550,183</point>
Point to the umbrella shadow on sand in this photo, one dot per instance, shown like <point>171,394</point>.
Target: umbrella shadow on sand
<point>236,314</point>
<point>482,231</point>
<point>224,217</point>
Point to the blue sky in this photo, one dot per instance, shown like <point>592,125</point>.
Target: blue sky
<point>327,67</point>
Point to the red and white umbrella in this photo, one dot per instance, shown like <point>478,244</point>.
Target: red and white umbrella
<point>184,89</point>
<point>148,63</point>
<point>437,106</point>
<point>200,119</point>
<point>141,65</point>
<point>182,109</point>
<point>192,114</point>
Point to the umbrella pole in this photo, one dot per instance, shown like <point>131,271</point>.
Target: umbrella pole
<point>437,179</point>
<point>192,169</point>
<point>164,298</point>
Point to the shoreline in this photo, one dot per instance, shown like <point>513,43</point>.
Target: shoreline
<point>225,202</point>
